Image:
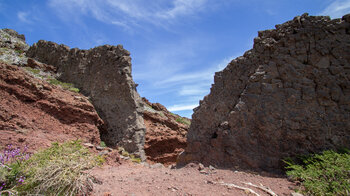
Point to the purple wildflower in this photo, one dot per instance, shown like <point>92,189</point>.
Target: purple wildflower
<point>2,186</point>
<point>21,179</point>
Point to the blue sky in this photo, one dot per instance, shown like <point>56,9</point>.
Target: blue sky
<point>176,45</point>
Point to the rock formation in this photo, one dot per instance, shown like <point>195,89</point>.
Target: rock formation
<point>104,74</point>
<point>287,96</point>
<point>12,47</point>
<point>36,113</point>
<point>165,135</point>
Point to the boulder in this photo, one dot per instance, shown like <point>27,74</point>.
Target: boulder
<point>289,95</point>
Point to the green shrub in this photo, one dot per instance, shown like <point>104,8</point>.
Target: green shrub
<point>132,157</point>
<point>135,159</point>
<point>59,170</point>
<point>183,121</point>
<point>64,85</point>
<point>323,174</point>
<point>76,90</point>
<point>32,70</point>
<point>103,144</point>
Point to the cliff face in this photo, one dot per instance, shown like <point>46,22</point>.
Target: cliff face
<point>289,95</point>
<point>104,74</point>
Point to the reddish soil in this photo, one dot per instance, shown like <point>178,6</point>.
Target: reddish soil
<point>36,113</point>
<point>165,137</point>
<point>135,179</point>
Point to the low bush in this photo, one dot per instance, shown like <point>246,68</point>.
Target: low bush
<point>103,144</point>
<point>322,174</point>
<point>183,121</point>
<point>58,170</point>
<point>32,70</point>
<point>64,85</point>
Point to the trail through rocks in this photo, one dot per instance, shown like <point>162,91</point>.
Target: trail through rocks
<point>137,179</point>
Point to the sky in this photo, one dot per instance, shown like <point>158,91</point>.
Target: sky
<point>176,45</point>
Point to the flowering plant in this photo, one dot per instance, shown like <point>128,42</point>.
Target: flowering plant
<point>10,159</point>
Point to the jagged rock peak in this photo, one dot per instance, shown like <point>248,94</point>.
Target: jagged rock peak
<point>288,95</point>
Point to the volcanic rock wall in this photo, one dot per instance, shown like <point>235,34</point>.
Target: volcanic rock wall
<point>289,95</point>
<point>104,74</point>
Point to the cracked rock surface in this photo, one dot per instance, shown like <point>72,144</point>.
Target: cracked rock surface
<point>289,95</point>
<point>104,74</point>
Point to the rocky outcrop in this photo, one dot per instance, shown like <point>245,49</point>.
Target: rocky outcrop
<point>36,113</point>
<point>12,47</point>
<point>165,135</point>
<point>104,74</point>
<point>289,95</point>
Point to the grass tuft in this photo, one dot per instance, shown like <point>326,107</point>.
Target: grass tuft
<point>183,121</point>
<point>59,170</point>
<point>32,70</point>
<point>322,174</point>
<point>103,144</point>
<point>64,85</point>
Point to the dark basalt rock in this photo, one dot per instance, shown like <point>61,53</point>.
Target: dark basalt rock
<point>104,74</point>
<point>289,95</point>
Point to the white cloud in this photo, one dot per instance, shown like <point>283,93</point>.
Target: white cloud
<point>128,13</point>
<point>182,7</point>
<point>193,90</point>
<point>337,9</point>
<point>175,108</point>
<point>23,17</point>
<point>184,78</point>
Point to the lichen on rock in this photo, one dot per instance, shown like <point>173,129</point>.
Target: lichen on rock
<point>12,47</point>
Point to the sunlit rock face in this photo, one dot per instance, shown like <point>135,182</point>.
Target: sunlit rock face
<point>289,95</point>
<point>104,74</point>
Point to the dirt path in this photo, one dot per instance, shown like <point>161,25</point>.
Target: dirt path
<point>135,179</point>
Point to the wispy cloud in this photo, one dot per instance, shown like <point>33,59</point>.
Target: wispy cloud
<point>128,13</point>
<point>176,108</point>
<point>23,17</point>
<point>193,90</point>
<point>337,9</point>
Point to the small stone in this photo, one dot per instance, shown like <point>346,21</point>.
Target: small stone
<point>145,164</point>
<point>157,165</point>
<point>211,167</point>
<point>203,172</point>
<point>296,194</point>
<point>209,182</point>
<point>107,194</point>
<point>105,152</point>
<point>200,166</point>
<point>100,148</point>
<point>124,157</point>
<point>89,145</point>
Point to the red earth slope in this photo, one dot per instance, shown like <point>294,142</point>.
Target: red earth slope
<point>36,113</point>
<point>165,133</point>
